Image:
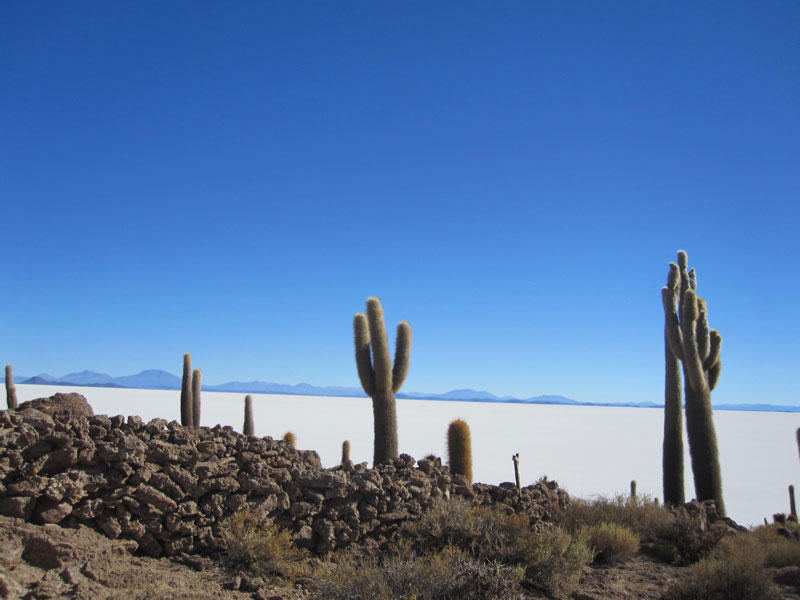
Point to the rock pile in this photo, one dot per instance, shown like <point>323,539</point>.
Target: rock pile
<point>171,488</point>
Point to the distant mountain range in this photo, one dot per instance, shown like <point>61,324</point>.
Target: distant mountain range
<point>155,379</point>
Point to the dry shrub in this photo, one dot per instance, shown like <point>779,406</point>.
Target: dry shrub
<point>262,546</point>
<point>612,543</point>
<point>779,551</point>
<point>447,574</point>
<point>481,531</point>
<point>734,571</point>
<point>644,517</point>
<point>555,561</point>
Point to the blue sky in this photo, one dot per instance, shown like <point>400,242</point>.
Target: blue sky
<point>236,179</point>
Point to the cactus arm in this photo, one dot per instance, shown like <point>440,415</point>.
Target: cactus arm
<point>691,360</point>
<point>381,359</point>
<point>363,357</point>
<point>713,374</point>
<point>402,355</point>
<point>671,325</point>
<point>703,341</point>
<point>714,350</point>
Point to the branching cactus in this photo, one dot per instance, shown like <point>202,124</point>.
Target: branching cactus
<point>186,392</point>
<point>289,439</point>
<point>380,380</point>
<point>459,449</point>
<point>197,384</point>
<point>699,349</point>
<point>345,451</point>
<point>11,389</point>
<point>249,428</point>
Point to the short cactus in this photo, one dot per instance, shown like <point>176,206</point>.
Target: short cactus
<point>248,428</point>
<point>197,384</point>
<point>459,449</point>
<point>11,389</point>
<point>634,497</point>
<point>515,459</point>
<point>380,380</point>
<point>792,505</point>
<point>186,392</point>
<point>289,439</point>
<point>345,451</point>
<point>699,348</point>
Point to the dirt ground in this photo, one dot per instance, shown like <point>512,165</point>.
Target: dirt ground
<point>48,562</point>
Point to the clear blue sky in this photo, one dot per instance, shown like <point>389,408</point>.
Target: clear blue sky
<point>235,179</point>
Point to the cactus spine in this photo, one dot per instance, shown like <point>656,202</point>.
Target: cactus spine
<point>379,379</point>
<point>11,389</point>
<point>698,348</point>
<point>186,392</point>
<point>345,451</point>
<point>289,439</point>
<point>197,384</point>
<point>248,428</point>
<point>459,449</point>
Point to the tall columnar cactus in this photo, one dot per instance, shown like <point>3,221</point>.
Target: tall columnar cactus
<point>672,453</point>
<point>289,439</point>
<point>792,505</point>
<point>380,380</point>
<point>345,451</point>
<point>699,349</point>
<point>797,433</point>
<point>197,384</point>
<point>459,449</point>
<point>11,389</point>
<point>515,459</point>
<point>249,428</point>
<point>186,392</point>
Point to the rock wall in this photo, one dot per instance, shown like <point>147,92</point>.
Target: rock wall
<point>170,488</point>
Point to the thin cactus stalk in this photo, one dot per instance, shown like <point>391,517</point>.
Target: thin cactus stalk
<point>634,497</point>
<point>699,349</point>
<point>515,459</point>
<point>248,428</point>
<point>186,392</point>
<point>792,505</point>
<point>289,439</point>
<point>380,380</point>
<point>345,451</point>
<point>797,433</point>
<point>459,449</point>
<point>11,389</point>
<point>197,385</point>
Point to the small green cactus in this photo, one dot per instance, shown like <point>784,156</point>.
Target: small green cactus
<point>459,449</point>
<point>11,389</point>
<point>186,392</point>
<point>345,451</point>
<point>197,384</point>
<point>380,380</point>
<point>248,428</point>
<point>289,439</point>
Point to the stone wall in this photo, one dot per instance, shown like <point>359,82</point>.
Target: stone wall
<point>170,488</point>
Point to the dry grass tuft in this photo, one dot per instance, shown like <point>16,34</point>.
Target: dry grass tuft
<point>263,547</point>
<point>612,543</point>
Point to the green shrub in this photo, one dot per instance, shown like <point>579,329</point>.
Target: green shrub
<point>555,561</point>
<point>644,517</point>
<point>447,574</point>
<point>611,542</point>
<point>779,551</point>
<point>262,546</point>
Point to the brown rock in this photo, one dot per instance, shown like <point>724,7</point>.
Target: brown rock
<point>61,407</point>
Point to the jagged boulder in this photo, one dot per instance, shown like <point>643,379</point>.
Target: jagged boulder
<point>61,406</point>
